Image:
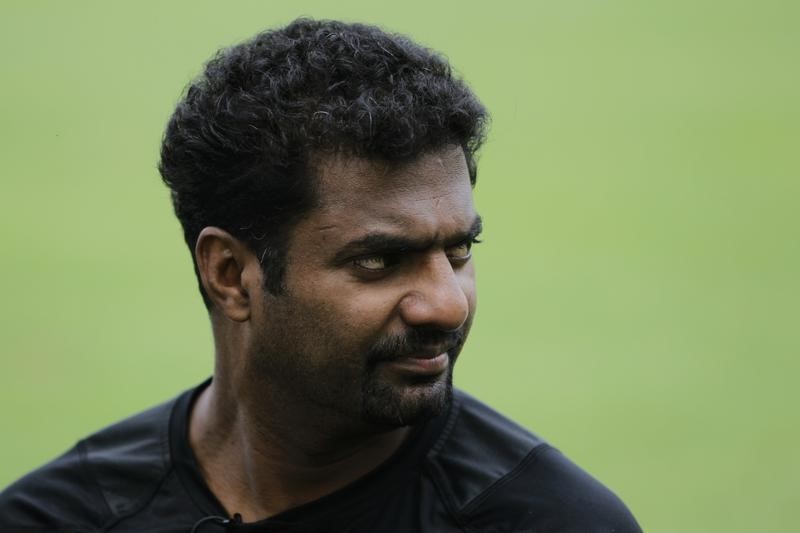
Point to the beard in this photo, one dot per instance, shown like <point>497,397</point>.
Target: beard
<point>389,403</point>
<point>300,365</point>
<point>383,405</point>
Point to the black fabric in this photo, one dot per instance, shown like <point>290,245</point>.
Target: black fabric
<point>469,470</point>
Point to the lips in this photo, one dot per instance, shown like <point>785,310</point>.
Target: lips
<point>428,364</point>
<point>425,355</point>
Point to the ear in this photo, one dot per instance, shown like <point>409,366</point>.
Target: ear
<point>221,261</point>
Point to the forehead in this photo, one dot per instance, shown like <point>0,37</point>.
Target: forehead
<point>431,190</point>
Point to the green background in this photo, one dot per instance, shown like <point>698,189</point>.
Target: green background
<point>639,277</point>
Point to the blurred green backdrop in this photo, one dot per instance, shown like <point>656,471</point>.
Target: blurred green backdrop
<point>639,276</point>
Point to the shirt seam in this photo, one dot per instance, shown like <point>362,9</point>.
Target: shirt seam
<point>434,471</point>
<point>113,520</point>
<point>88,472</point>
<point>145,502</point>
<point>531,457</point>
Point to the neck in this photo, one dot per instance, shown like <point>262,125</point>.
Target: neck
<point>260,458</point>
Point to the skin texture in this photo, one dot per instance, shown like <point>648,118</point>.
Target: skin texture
<point>318,385</point>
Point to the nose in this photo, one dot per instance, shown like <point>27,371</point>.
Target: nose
<point>438,297</point>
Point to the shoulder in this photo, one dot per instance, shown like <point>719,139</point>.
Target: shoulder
<point>495,475</point>
<point>104,477</point>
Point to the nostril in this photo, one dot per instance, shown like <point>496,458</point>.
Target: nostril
<point>445,311</point>
<point>437,296</point>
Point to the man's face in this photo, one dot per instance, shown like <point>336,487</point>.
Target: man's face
<point>380,292</point>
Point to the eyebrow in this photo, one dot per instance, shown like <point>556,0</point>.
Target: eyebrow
<point>388,243</point>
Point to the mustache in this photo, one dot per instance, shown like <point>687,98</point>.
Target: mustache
<point>415,341</point>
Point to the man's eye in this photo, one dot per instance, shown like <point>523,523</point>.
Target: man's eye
<point>372,262</point>
<point>461,251</point>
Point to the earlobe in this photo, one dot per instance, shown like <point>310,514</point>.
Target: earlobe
<point>220,262</point>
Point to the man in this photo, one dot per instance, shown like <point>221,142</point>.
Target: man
<point>323,176</point>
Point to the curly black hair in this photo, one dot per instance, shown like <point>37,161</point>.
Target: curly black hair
<point>239,151</point>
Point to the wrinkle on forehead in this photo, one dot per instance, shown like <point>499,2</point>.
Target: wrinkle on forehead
<point>347,180</point>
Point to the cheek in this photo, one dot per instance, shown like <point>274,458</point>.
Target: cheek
<point>355,314</point>
<point>368,311</point>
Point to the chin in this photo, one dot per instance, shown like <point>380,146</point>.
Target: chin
<point>394,405</point>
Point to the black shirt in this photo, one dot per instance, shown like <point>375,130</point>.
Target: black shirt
<point>468,470</point>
